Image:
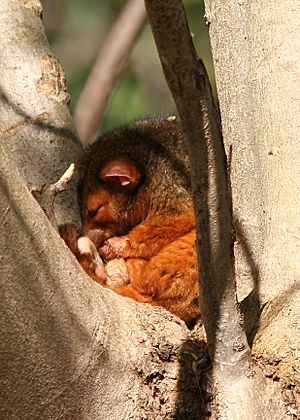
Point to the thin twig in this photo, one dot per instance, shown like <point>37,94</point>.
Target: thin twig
<point>67,177</point>
<point>107,70</point>
<point>46,194</point>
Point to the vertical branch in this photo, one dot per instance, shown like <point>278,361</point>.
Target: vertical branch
<point>189,85</point>
<point>107,70</point>
<point>240,390</point>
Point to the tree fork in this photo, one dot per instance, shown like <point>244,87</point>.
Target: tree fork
<point>236,380</point>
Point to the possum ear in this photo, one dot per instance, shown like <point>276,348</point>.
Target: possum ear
<point>122,171</point>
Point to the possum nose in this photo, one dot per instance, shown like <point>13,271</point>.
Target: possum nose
<point>94,204</point>
<point>91,212</point>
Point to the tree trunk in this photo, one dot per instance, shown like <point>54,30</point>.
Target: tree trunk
<point>257,62</point>
<point>241,391</point>
<point>69,348</point>
<point>36,126</point>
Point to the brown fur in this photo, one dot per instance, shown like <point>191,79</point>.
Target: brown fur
<point>137,209</point>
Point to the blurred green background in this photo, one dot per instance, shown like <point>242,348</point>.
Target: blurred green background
<point>76,29</point>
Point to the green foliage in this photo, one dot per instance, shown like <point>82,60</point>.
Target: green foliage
<point>76,30</point>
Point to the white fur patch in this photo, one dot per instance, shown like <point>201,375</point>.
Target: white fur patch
<point>87,247</point>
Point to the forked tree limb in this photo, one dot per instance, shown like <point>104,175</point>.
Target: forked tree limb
<point>46,194</point>
<point>69,348</point>
<point>239,387</point>
<point>190,87</point>
<point>107,70</point>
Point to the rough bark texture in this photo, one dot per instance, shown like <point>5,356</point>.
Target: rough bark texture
<point>35,127</point>
<point>71,349</point>
<point>68,348</point>
<point>241,391</point>
<point>257,61</point>
<point>191,91</point>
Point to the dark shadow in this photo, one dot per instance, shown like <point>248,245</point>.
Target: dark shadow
<point>59,314</point>
<point>218,168</point>
<point>217,232</point>
<point>193,395</point>
<point>251,305</point>
<point>63,132</point>
<point>24,293</point>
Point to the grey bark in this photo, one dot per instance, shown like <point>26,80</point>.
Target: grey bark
<point>35,127</point>
<point>257,63</point>
<point>68,348</point>
<point>241,390</point>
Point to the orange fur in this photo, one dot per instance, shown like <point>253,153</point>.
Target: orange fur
<point>168,279</point>
<point>137,209</point>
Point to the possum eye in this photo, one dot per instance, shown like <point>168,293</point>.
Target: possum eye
<point>121,171</point>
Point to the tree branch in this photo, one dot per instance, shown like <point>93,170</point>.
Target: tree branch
<point>36,125</point>
<point>189,85</point>
<point>46,194</point>
<point>67,343</point>
<point>107,70</point>
<point>68,346</point>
